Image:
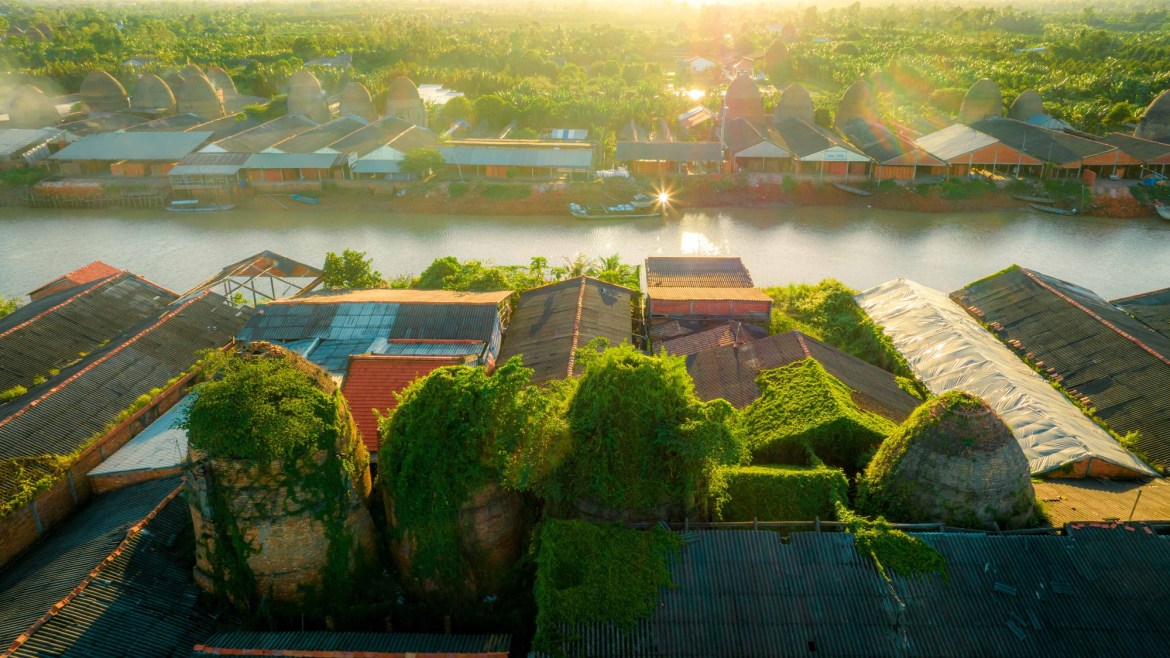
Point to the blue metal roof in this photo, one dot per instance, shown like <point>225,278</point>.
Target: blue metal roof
<point>381,346</point>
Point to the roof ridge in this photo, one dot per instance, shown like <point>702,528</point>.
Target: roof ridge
<point>132,532</point>
<point>100,283</point>
<point>1120,332</point>
<point>576,327</point>
<point>161,321</point>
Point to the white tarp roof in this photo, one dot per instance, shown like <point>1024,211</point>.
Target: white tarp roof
<point>948,350</point>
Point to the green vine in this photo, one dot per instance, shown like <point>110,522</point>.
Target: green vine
<point>892,550</point>
<point>778,493</point>
<point>587,573</point>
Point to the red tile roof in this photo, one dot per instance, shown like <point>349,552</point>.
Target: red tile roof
<point>84,274</point>
<point>374,379</point>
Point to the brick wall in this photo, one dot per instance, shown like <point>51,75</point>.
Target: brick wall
<point>23,527</point>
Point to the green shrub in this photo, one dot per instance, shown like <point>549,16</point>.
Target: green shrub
<point>827,311</point>
<point>588,573</point>
<point>778,493</point>
<point>456,190</point>
<point>892,550</point>
<point>261,410</point>
<point>500,191</point>
<point>22,478</point>
<point>802,408</point>
<point>12,393</point>
<point>640,437</point>
<point>39,379</point>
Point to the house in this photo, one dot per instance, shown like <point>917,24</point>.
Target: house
<point>414,329</point>
<point>27,147</point>
<point>949,350</point>
<point>691,120</point>
<point>72,315</point>
<point>895,157</point>
<point>741,66</point>
<point>433,94</point>
<point>57,432</point>
<point>318,138</point>
<point>752,146</point>
<point>965,150</point>
<point>528,159</point>
<point>551,322</point>
<point>670,157</point>
<point>751,592</point>
<point>729,372</point>
<point>1152,308</point>
<point>697,272</point>
<point>708,304</point>
<point>1153,156</point>
<point>1099,354</point>
<point>696,64</point>
<point>1064,155</point>
<point>376,150</point>
<point>293,167</point>
<point>695,293</point>
<point>818,152</point>
<point>128,153</point>
<point>261,138</point>
<point>201,175</point>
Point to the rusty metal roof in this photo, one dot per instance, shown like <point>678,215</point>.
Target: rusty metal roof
<point>391,295</point>
<point>708,294</point>
<point>732,333</point>
<point>697,272</point>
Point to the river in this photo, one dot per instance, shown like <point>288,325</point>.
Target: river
<point>860,246</point>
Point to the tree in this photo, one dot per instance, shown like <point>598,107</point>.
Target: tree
<point>8,305</point>
<point>457,108</point>
<point>421,162</point>
<point>350,270</point>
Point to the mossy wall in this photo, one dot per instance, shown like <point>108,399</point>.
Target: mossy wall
<point>778,493</point>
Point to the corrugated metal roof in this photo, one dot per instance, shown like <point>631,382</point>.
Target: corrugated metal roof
<point>376,167</point>
<point>552,321</point>
<point>1047,145</point>
<point>84,274</point>
<point>163,146</point>
<point>398,643</point>
<point>732,333</point>
<point>14,141</point>
<point>322,136</point>
<point>56,329</point>
<point>670,151</point>
<point>1097,592</point>
<point>730,372</point>
<point>391,295</point>
<point>1098,351</point>
<point>160,445</point>
<point>176,123</point>
<point>555,156</point>
<point>427,348</point>
<point>1094,499</point>
<point>260,137</point>
<point>1143,149</point>
<point>35,581</point>
<point>58,417</point>
<point>697,272</point>
<point>805,139</point>
<point>883,144</point>
<point>293,161</point>
<point>375,135</point>
<point>957,140</point>
<point>225,164</point>
<point>1152,308</point>
<point>708,294</point>
<point>142,603</point>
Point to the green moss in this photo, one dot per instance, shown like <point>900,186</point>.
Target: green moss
<point>827,311</point>
<point>802,408</point>
<point>779,493</point>
<point>640,437</point>
<point>12,393</point>
<point>588,573</point>
<point>23,478</point>
<point>455,431</point>
<point>892,550</point>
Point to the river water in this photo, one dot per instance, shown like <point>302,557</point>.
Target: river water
<point>860,246</point>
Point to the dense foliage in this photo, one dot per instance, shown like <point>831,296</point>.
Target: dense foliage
<point>641,440</point>
<point>778,493</point>
<point>803,409</point>
<point>827,311</point>
<point>352,269</point>
<point>8,305</point>
<point>892,550</point>
<point>449,273</point>
<point>455,431</point>
<point>261,410</point>
<point>587,573</point>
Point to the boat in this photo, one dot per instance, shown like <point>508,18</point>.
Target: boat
<point>852,190</point>
<point>1034,199</point>
<point>1163,210</point>
<point>305,199</point>
<point>621,210</point>
<point>1054,210</point>
<point>192,205</point>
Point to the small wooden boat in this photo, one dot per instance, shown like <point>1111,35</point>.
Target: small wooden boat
<point>1163,210</point>
<point>1054,210</point>
<point>192,205</point>
<point>1034,199</point>
<point>852,190</point>
<point>305,199</point>
<point>618,211</point>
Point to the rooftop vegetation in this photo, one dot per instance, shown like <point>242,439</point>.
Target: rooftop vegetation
<point>827,311</point>
<point>892,551</point>
<point>803,409</point>
<point>778,493</point>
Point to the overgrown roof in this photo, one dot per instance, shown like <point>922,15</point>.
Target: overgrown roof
<point>1098,352</point>
<point>756,593</point>
<point>732,333</point>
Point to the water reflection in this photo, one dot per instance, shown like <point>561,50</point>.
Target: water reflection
<point>860,246</point>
